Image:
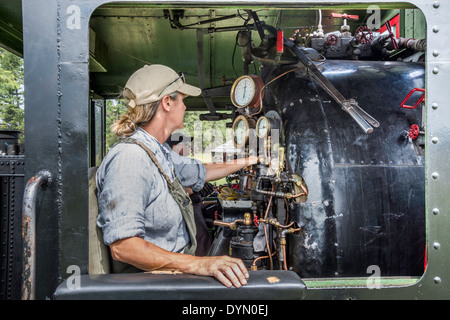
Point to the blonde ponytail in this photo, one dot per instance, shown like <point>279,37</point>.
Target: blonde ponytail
<point>137,116</point>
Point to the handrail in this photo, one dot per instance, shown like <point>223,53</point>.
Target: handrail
<point>41,179</point>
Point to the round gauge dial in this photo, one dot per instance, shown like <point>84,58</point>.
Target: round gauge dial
<point>246,91</point>
<point>240,131</point>
<point>262,127</point>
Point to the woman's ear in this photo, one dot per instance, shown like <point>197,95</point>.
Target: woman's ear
<point>166,103</point>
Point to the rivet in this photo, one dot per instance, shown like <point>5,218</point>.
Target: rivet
<point>435,175</point>
<point>435,70</point>
<point>435,53</point>
<point>435,211</point>
<point>435,29</point>
<point>436,245</point>
<point>435,140</point>
<point>437,280</point>
<point>436,5</point>
<point>434,105</point>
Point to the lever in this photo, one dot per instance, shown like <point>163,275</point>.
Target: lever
<point>362,118</point>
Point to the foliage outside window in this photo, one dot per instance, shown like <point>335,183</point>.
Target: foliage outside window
<point>11,93</point>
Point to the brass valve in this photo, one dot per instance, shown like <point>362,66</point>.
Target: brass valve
<point>233,225</point>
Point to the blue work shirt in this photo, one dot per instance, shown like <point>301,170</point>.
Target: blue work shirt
<point>134,197</point>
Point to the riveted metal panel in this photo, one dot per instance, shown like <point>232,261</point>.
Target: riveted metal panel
<point>11,193</point>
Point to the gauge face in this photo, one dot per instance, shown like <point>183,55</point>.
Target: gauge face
<point>240,131</point>
<point>262,127</point>
<point>243,92</point>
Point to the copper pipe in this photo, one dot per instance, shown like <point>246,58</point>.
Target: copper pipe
<point>283,247</point>
<point>231,225</point>
<point>287,210</point>
<point>253,266</point>
<point>265,234</point>
<point>283,243</point>
<point>275,222</point>
<point>305,192</point>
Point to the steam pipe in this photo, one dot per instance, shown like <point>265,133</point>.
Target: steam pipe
<point>283,243</point>
<point>41,179</point>
<point>279,194</point>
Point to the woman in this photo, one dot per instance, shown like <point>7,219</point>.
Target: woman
<point>144,213</point>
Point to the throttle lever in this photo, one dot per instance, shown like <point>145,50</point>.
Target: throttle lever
<point>362,118</point>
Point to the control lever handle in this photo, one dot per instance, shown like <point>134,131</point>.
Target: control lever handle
<point>356,115</point>
<point>362,118</point>
<point>350,106</point>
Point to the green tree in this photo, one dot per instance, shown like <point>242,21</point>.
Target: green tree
<point>114,109</point>
<point>11,92</point>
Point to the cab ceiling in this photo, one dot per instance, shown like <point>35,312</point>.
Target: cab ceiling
<point>11,31</point>
<point>200,42</point>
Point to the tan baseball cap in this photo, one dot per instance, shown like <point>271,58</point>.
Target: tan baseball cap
<point>152,82</point>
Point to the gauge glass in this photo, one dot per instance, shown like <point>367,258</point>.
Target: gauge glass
<point>244,91</point>
<point>262,127</point>
<point>240,131</point>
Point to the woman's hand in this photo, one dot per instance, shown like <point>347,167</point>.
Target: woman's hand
<point>149,257</point>
<point>229,271</point>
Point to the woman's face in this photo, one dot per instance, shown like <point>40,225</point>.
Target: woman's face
<point>178,114</point>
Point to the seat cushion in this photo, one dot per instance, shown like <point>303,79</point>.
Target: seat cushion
<point>262,285</point>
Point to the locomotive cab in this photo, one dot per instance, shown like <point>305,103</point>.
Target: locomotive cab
<point>331,98</point>
<point>338,192</point>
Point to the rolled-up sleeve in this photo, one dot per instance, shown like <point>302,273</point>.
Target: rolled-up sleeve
<point>190,172</point>
<point>124,188</point>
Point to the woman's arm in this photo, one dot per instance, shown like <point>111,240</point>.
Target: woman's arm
<point>216,171</point>
<point>148,257</point>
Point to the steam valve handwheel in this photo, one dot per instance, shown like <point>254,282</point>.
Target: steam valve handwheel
<point>332,39</point>
<point>364,35</point>
<point>414,132</point>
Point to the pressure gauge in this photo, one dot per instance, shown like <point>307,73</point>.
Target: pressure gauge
<point>241,130</point>
<point>247,91</point>
<point>262,127</point>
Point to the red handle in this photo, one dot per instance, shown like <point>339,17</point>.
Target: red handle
<point>421,99</point>
<point>280,41</point>
<point>332,39</point>
<point>414,131</point>
<point>256,220</point>
<point>391,35</point>
<point>345,16</point>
